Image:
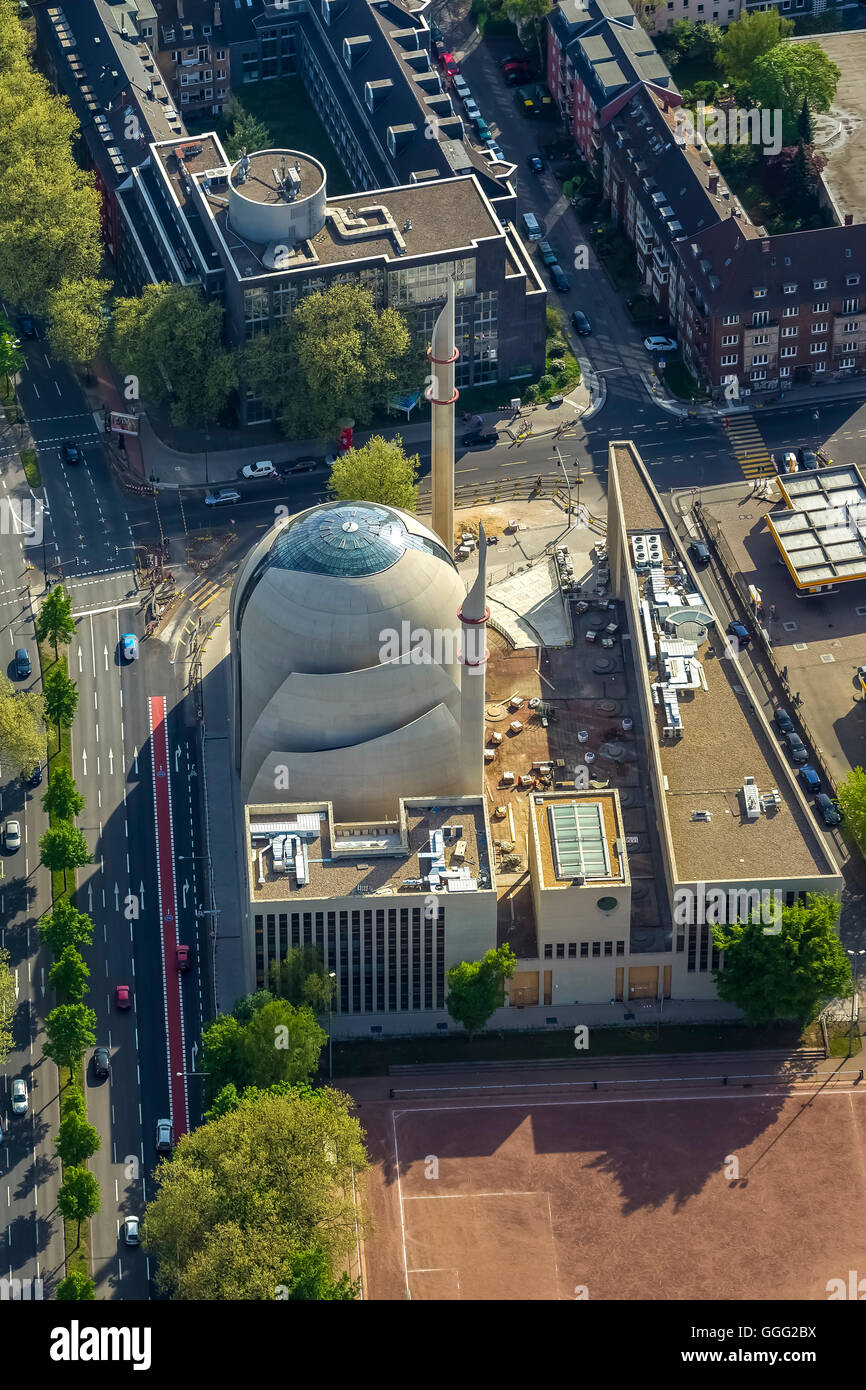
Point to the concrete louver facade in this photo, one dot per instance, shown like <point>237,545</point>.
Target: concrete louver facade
<point>316,704</point>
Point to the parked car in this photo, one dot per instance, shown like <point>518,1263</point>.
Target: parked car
<point>783,721</point>
<point>516,76</point>
<point>828,810</point>
<point>131,1230</point>
<point>580,323</point>
<point>810,779</point>
<point>263,469</point>
<point>448,63</point>
<point>101,1061</point>
<point>807,458</point>
<point>515,59</point>
<point>129,646</point>
<point>560,280</point>
<point>480,439</point>
<point>472,111</point>
<point>12,835</point>
<point>222,497</point>
<point>797,748</point>
<point>122,998</point>
<point>70,452</point>
<point>183,958</point>
<point>700,552</point>
<point>461,87</point>
<point>34,779</point>
<point>483,129</point>
<point>19,1096</point>
<point>654,344</point>
<point>498,154</point>
<point>786,461</point>
<point>535,162</point>
<point>741,633</point>
<point>22,663</point>
<point>26,326</point>
<point>546,253</point>
<point>163,1137</point>
<point>436,33</point>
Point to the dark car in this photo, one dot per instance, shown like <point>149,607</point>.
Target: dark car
<point>436,33</point>
<point>101,1061</point>
<point>71,452</point>
<point>546,253</point>
<point>22,663</point>
<point>560,280</point>
<point>35,777</point>
<point>807,458</point>
<point>535,162</point>
<point>810,779</point>
<point>480,439</point>
<point>520,59</point>
<point>797,748</point>
<point>580,323</point>
<point>741,633</point>
<point>828,810</point>
<point>516,76</point>
<point>783,721</point>
<point>700,552</point>
<point>27,326</point>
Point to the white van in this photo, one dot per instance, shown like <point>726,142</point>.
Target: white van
<point>531,227</point>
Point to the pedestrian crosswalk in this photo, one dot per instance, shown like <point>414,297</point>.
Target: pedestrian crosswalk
<point>748,446</point>
<point>203,592</point>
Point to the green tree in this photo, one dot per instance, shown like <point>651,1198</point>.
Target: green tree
<point>54,621</point>
<point>76,1288</point>
<point>49,212</point>
<point>744,42</point>
<point>379,471</point>
<point>791,73</point>
<point>477,988</point>
<point>22,727</point>
<point>852,799</point>
<point>787,975</point>
<point>76,1140</point>
<point>170,337</point>
<point>8,994</point>
<point>65,926</point>
<point>74,1102</point>
<point>70,1029</point>
<point>77,319</point>
<point>337,358</point>
<point>805,124</point>
<point>301,978</point>
<point>78,1197</point>
<point>799,185</point>
<point>62,799</point>
<point>64,847</point>
<point>530,17</point>
<point>11,357</point>
<point>14,43</point>
<point>249,1004</point>
<point>69,976</point>
<point>247,1193</point>
<point>278,1043</point>
<point>222,1043</point>
<point>60,693</point>
<point>245,131</point>
<point>311,1279</point>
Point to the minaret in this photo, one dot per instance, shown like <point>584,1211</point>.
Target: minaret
<point>473,617</point>
<point>441,394</point>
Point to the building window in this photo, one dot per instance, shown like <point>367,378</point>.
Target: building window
<point>422,283</point>
<point>584,950</point>
<point>791,311</point>
<point>620,948</point>
<point>784,371</point>
<point>255,311</point>
<point>572,950</point>
<point>818,328</point>
<point>848,362</point>
<point>761,360</point>
<point>852,279</point>
<point>820,367</point>
<point>731,318</point>
<point>548,951</point>
<point>852,327</point>
<point>850,306</point>
<point>821,307</point>
<point>790,332</point>
<point>789,289</point>
<point>758,376</point>
<point>815,348</point>
<point>849,347</point>
<point>759,294</point>
<point>608,948</point>
<point>730,340</point>
<point>730,359</point>
<point>560,950</point>
<point>789,352</point>
<point>819,284</point>
<point>759,339</point>
<point>596,949</point>
<point>760,317</point>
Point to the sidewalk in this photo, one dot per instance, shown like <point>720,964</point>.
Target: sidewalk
<point>153,458</point>
<point>796,397</point>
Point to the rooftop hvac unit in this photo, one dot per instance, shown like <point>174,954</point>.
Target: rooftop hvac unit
<point>701,815</point>
<point>751,799</point>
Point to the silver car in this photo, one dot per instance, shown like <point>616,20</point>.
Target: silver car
<point>19,1096</point>
<point>12,835</point>
<point>131,1231</point>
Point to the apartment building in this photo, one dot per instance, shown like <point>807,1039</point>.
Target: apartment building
<point>770,312</point>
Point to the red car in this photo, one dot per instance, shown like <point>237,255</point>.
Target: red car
<point>448,63</point>
<point>122,999</point>
<point>183,959</point>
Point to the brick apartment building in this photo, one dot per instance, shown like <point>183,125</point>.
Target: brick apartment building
<point>772,312</point>
<point>132,72</point>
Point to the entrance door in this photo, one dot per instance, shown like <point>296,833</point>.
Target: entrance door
<point>643,982</point>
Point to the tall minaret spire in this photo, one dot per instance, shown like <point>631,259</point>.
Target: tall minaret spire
<point>473,617</point>
<point>441,394</point>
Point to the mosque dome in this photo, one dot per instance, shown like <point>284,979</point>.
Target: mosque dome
<point>316,612</point>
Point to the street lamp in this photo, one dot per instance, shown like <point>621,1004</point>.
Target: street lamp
<point>568,485</point>
<point>332,975</point>
<point>854,956</point>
